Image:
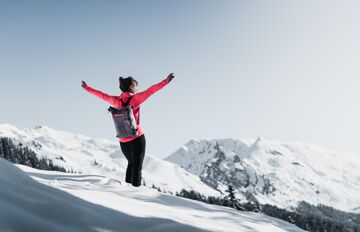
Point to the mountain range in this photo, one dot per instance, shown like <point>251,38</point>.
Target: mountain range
<point>274,172</point>
<point>268,172</point>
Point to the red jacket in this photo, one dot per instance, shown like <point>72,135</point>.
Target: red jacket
<point>135,102</point>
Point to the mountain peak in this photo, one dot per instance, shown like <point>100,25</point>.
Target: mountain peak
<point>275,171</point>
<point>257,144</point>
<point>41,128</point>
<point>259,139</point>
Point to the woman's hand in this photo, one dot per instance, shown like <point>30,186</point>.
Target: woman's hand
<point>83,84</point>
<point>170,77</point>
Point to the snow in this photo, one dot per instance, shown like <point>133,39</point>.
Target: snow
<point>298,171</point>
<point>99,156</point>
<point>34,200</point>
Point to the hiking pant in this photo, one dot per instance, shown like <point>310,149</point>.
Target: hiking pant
<point>134,152</point>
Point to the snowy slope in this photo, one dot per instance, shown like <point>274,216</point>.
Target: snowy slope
<point>102,157</point>
<point>274,172</point>
<point>82,202</point>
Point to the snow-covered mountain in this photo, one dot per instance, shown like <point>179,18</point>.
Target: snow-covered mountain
<point>35,200</point>
<point>274,172</point>
<point>83,154</point>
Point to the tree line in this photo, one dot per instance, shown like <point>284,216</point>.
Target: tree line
<point>19,154</point>
<point>309,217</point>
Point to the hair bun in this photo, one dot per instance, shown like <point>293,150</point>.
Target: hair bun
<point>125,83</point>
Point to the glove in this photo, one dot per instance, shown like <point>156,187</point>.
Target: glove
<point>170,77</point>
<point>83,84</point>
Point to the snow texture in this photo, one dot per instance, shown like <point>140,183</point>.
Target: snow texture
<point>34,200</point>
<point>98,156</point>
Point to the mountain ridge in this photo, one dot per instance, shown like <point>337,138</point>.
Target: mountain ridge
<point>270,172</point>
<point>274,172</point>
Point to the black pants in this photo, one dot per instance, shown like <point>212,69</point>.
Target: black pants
<point>134,152</point>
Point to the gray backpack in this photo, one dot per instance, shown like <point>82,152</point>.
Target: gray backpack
<point>124,120</point>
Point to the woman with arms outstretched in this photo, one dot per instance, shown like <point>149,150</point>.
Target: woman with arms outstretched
<point>133,147</point>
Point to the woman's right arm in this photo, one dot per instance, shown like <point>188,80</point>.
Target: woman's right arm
<point>110,99</point>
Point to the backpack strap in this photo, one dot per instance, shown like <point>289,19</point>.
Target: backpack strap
<point>127,102</point>
<point>138,116</point>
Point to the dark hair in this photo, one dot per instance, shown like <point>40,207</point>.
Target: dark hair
<point>125,83</point>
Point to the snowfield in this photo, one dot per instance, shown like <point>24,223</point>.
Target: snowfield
<point>34,200</point>
<point>98,156</point>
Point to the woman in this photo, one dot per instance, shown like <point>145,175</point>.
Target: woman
<point>132,147</point>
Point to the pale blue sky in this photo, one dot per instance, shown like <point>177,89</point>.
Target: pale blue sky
<point>283,70</point>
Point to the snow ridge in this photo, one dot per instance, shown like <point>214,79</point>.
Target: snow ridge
<point>36,200</point>
<point>98,156</point>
